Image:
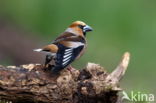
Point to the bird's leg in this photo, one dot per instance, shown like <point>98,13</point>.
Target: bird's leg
<point>48,59</point>
<point>70,68</point>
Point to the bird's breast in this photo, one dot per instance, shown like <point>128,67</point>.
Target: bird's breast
<point>82,52</point>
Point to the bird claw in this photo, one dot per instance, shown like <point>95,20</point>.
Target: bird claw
<point>70,68</point>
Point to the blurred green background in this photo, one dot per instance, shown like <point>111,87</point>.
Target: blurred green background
<point>119,26</point>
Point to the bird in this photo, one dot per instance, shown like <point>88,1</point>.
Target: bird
<point>68,47</point>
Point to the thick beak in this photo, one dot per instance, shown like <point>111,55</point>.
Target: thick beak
<point>87,28</point>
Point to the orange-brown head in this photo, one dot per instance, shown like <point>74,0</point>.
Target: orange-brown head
<point>79,28</point>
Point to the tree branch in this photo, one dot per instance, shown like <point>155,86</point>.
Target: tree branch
<point>36,84</point>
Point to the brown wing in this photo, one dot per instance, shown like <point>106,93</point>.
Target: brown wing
<point>64,36</point>
<point>66,39</point>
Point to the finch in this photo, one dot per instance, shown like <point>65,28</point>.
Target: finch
<point>67,47</point>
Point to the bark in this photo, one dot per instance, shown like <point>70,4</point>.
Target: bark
<point>33,83</point>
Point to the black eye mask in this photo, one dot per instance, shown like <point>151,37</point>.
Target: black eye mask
<point>81,26</point>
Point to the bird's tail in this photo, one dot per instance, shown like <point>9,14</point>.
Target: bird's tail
<point>37,50</point>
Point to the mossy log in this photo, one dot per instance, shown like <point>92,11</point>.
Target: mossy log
<point>33,83</point>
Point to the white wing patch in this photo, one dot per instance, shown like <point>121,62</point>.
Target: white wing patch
<point>75,44</point>
<point>67,56</point>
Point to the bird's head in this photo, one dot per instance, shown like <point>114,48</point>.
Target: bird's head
<point>79,28</point>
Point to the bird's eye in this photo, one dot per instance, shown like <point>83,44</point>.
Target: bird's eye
<point>81,26</point>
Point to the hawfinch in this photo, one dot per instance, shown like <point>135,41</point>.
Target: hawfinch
<point>66,48</point>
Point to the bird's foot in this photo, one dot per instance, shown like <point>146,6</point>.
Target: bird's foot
<point>71,69</point>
